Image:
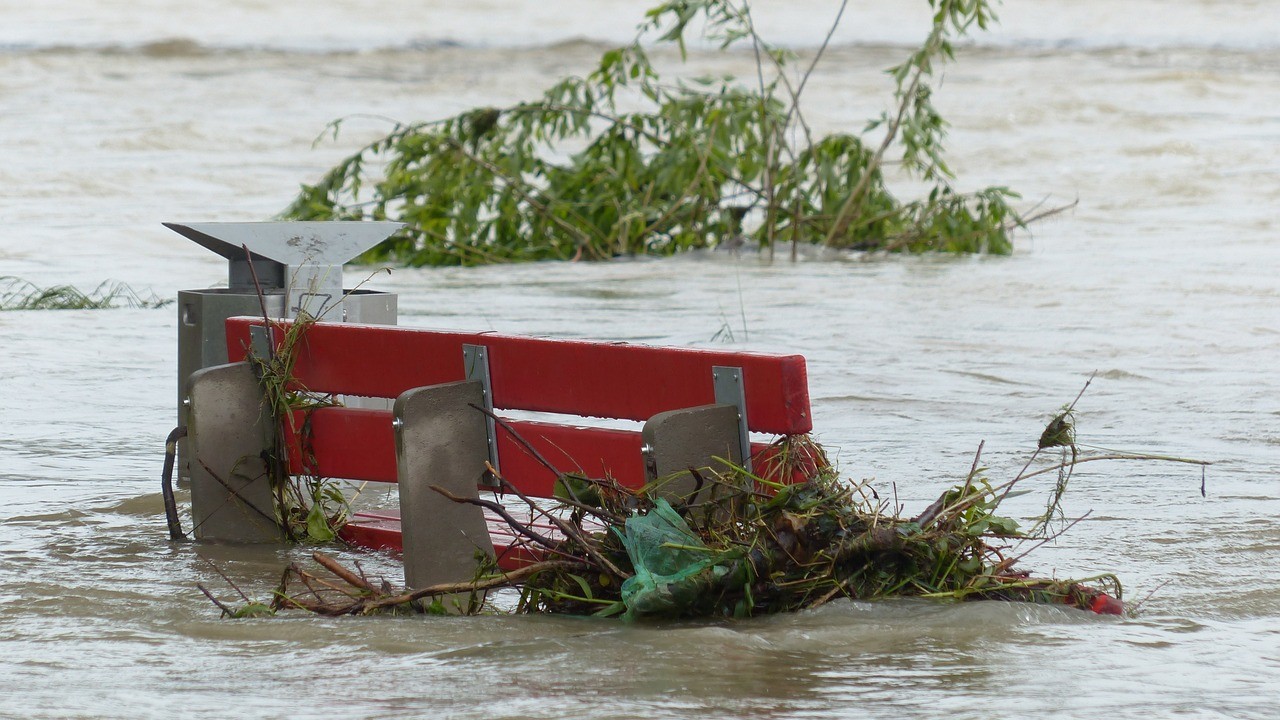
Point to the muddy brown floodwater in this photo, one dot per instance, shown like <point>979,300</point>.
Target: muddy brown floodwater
<point>117,116</point>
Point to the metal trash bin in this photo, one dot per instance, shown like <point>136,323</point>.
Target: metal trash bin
<point>296,265</point>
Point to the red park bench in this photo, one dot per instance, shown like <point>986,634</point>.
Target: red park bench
<point>695,405</point>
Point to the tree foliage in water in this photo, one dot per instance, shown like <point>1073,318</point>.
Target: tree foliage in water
<point>620,162</point>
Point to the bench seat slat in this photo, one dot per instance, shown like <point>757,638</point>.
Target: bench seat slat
<point>595,452</point>
<point>358,444</point>
<point>380,530</point>
<point>351,443</point>
<point>615,380</point>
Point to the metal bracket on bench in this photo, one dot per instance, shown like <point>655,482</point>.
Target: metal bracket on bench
<point>475,362</point>
<point>731,391</point>
<point>260,341</point>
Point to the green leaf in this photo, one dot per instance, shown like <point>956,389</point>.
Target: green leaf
<point>253,610</point>
<point>586,588</point>
<point>1003,526</point>
<point>318,529</point>
<point>616,608</point>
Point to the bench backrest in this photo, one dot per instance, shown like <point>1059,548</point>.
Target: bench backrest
<point>571,377</point>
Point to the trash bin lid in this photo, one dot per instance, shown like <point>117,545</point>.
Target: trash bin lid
<point>289,243</point>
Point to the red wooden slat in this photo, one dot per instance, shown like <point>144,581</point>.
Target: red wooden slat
<point>358,444</point>
<point>597,452</point>
<point>381,531</point>
<point>594,379</point>
<point>352,443</point>
<point>373,532</point>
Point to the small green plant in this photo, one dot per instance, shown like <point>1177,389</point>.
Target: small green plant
<point>580,174</point>
<point>309,507</point>
<point>19,294</point>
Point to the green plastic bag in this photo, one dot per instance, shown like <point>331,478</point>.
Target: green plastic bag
<point>668,559</point>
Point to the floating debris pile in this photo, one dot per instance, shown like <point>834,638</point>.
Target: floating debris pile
<point>738,545</point>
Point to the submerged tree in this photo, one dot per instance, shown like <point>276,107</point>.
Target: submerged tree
<point>578,173</point>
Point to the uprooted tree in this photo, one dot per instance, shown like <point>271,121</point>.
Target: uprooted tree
<point>621,162</point>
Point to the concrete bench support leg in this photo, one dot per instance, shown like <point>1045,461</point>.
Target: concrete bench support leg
<point>441,440</point>
<point>676,440</point>
<point>227,434</point>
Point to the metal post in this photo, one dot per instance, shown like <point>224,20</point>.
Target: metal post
<point>440,443</point>
<point>730,390</point>
<point>475,361</point>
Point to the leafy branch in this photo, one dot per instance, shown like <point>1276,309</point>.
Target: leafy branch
<point>619,162</point>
